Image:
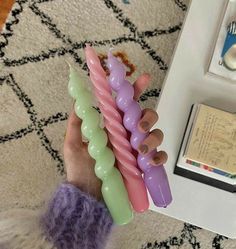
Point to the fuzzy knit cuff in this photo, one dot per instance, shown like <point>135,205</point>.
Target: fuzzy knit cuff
<point>75,220</point>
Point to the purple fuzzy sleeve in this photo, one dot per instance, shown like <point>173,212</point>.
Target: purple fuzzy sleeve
<point>75,220</point>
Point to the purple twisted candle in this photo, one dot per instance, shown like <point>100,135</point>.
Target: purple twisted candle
<point>155,177</point>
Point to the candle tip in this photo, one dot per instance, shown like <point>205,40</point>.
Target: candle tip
<point>89,50</point>
<point>109,55</point>
<point>70,67</point>
<point>87,46</point>
<point>110,50</point>
<point>68,63</point>
<point>91,57</point>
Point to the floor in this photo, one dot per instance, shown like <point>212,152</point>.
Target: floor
<point>5,7</point>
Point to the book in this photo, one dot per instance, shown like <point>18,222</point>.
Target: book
<point>208,151</point>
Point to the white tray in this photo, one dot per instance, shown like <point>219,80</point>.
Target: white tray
<point>187,82</point>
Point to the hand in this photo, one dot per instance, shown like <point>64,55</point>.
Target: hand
<point>79,164</point>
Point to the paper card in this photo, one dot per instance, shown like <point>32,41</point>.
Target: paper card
<point>213,139</point>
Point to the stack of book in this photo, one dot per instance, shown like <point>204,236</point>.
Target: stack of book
<point>208,151</point>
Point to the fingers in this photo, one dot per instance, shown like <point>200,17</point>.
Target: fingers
<point>141,85</point>
<point>73,137</point>
<point>154,139</point>
<point>147,121</point>
<point>159,158</point>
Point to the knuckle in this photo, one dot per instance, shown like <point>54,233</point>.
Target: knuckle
<point>71,148</point>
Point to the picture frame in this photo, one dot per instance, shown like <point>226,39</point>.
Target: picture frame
<point>222,42</point>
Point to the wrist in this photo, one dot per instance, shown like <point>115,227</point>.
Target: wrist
<point>87,187</point>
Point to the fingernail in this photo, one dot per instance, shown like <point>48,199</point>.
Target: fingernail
<point>143,148</point>
<point>144,125</point>
<point>156,160</point>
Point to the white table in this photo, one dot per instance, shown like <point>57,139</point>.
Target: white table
<point>187,83</point>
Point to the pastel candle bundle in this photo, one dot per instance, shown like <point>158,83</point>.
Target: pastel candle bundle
<point>113,189</point>
<point>126,161</point>
<point>154,176</point>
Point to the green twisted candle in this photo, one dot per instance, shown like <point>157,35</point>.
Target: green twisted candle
<point>113,189</point>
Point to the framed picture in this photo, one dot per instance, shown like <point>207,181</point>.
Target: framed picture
<point>223,59</point>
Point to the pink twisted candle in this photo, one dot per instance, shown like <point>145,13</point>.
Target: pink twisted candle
<point>127,163</point>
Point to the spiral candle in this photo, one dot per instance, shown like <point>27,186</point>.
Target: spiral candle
<point>155,177</point>
<point>113,189</point>
<point>127,163</point>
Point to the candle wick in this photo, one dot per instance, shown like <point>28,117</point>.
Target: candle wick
<point>111,49</point>
<point>68,63</point>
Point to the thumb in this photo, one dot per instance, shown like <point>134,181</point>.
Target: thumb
<point>141,84</point>
<point>73,131</point>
